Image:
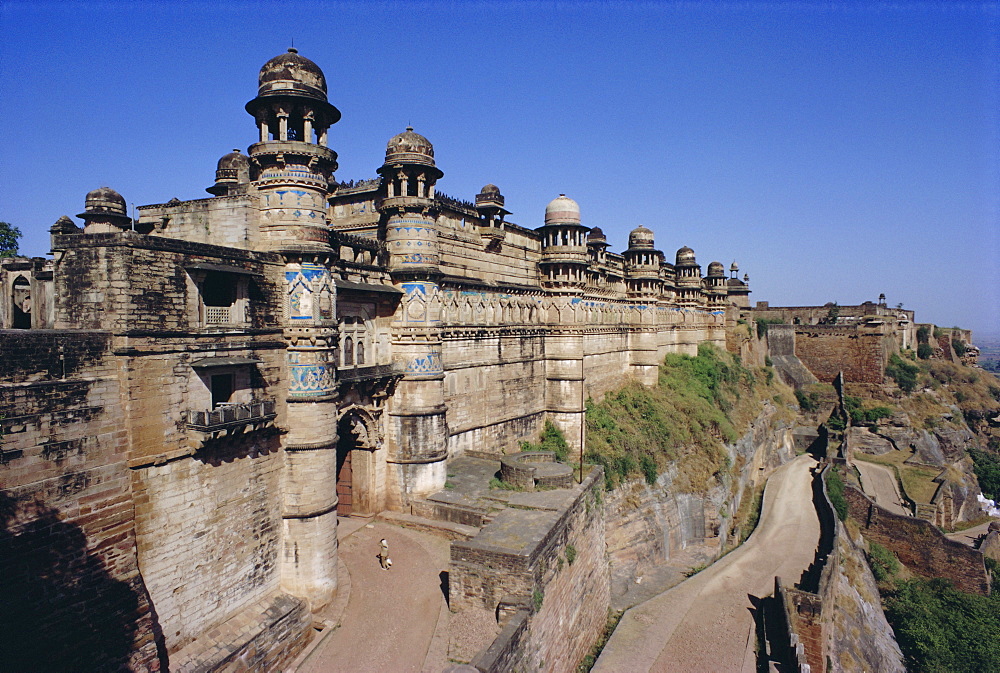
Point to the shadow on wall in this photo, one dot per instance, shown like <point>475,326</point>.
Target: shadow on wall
<point>61,610</point>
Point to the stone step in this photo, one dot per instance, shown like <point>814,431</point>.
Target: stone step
<point>438,508</point>
<point>448,529</point>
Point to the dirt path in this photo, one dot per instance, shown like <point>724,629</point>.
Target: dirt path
<point>970,535</point>
<point>705,624</point>
<point>393,615</point>
<point>879,482</point>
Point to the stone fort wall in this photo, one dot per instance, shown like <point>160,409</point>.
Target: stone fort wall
<point>69,573</point>
<point>536,587</point>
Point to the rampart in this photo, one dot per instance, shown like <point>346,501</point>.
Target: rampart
<point>919,545</point>
<point>530,567</point>
<point>861,354</point>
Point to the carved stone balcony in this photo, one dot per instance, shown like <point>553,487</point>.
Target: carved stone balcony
<point>232,417</point>
<point>369,373</point>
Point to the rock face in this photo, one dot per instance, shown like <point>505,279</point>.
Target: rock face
<point>860,638</point>
<point>649,524</point>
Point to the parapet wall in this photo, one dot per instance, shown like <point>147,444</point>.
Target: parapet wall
<point>827,350</point>
<point>543,561</point>
<point>919,545</point>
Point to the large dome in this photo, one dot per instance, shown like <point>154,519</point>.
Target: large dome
<point>716,270</point>
<point>640,237</point>
<point>291,73</point>
<point>562,210</point>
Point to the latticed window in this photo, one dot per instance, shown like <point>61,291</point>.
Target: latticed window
<point>223,298</point>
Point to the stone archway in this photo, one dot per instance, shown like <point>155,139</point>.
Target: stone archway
<point>356,464</point>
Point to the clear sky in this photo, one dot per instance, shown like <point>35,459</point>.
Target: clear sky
<point>835,150</point>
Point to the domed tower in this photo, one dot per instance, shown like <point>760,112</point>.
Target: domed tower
<point>642,265</point>
<point>104,212</point>
<point>687,274</point>
<point>417,428</point>
<point>715,285</point>
<point>564,246</point>
<point>407,205</point>
<point>489,205</point>
<point>738,291</point>
<point>291,165</point>
<point>291,170</point>
<point>232,174</point>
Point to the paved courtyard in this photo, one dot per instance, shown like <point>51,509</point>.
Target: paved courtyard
<point>394,620</point>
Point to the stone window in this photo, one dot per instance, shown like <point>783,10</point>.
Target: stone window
<point>356,335</point>
<point>222,294</point>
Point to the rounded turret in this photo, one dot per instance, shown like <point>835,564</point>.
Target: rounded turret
<point>685,257</point>
<point>105,211</point>
<point>232,170</point>
<point>716,270</point>
<point>291,73</point>
<point>409,147</point>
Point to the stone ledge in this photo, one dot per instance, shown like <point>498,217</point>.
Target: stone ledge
<point>265,635</point>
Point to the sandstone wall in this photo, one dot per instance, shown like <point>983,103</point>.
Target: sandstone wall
<point>73,595</point>
<point>543,561</point>
<point>825,351</point>
<point>919,545</point>
<point>209,532</point>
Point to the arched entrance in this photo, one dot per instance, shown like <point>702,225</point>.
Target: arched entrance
<point>355,465</point>
<point>21,304</point>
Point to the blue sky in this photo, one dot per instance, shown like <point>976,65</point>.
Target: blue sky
<point>835,150</point>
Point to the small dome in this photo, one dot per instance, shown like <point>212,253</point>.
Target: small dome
<point>409,147</point>
<point>291,73</point>
<point>596,236</point>
<point>685,257</point>
<point>490,196</point>
<point>562,210</point>
<point>233,160</point>
<point>104,200</point>
<point>640,237</point>
<point>734,267</point>
<point>716,270</point>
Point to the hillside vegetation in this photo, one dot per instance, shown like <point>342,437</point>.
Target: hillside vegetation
<point>698,404</point>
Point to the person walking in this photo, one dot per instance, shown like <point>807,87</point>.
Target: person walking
<point>383,555</point>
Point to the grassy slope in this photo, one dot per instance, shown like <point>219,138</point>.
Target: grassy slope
<point>698,404</point>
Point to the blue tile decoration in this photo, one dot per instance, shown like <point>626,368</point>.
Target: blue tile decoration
<point>430,363</point>
<point>310,380</point>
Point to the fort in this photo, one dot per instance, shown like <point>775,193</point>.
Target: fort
<point>190,399</point>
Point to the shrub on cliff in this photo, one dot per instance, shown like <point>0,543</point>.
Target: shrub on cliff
<point>835,489</point>
<point>987,469</point>
<point>942,629</point>
<point>862,414</point>
<point>903,373</point>
<point>698,403</point>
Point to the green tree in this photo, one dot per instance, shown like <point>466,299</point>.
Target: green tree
<point>8,239</point>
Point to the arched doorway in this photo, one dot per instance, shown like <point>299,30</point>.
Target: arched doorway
<point>21,304</point>
<point>355,465</point>
<point>345,475</point>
